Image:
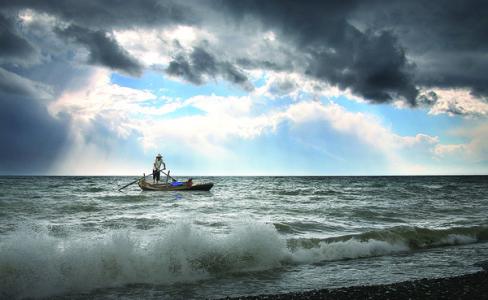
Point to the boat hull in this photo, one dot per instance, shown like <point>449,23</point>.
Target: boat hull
<point>147,186</point>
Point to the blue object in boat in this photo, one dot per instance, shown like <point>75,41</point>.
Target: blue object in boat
<point>176,183</point>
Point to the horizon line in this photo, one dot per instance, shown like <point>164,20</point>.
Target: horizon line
<point>245,175</point>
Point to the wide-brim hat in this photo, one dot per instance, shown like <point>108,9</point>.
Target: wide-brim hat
<point>159,155</point>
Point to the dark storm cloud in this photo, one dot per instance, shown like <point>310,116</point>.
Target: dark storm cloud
<point>447,40</point>
<point>91,20</point>
<point>381,50</point>
<point>266,64</point>
<point>353,45</point>
<point>31,138</point>
<point>193,67</point>
<point>232,74</point>
<point>13,47</point>
<point>110,13</point>
<point>282,87</point>
<point>200,64</point>
<point>371,64</point>
<point>13,84</point>
<point>104,50</point>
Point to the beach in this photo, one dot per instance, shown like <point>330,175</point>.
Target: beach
<point>469,286</point>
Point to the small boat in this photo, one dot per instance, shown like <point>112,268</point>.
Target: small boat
<point>178,186</point>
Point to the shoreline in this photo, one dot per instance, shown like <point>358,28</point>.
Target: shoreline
<point>467,286</point>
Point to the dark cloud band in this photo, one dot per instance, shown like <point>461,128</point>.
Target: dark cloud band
<point>104,50</point>
<point>379,50</point>
<point>200,63</point>
<point>13,47</point>
<point>311,26</point>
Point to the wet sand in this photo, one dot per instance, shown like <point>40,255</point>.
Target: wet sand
<point>469,286</point>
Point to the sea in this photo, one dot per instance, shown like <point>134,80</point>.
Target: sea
<point>79,237</point>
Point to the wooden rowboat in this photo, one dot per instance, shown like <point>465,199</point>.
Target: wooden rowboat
<point>147,186</point>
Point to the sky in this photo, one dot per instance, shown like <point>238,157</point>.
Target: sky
<point>244,87</point>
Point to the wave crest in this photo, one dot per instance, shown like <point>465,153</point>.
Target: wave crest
<point>37,264</point>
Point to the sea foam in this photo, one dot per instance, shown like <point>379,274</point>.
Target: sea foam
<point>37,264</point>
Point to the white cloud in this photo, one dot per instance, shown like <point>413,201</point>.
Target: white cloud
<point>475,150</point>
<point>156,46</point>
<point>223,118</point>
<point>269,36</point>
<point>125,113</point>
<point>365,127</point>
<point>99,95</point>
<point>418,139</point>
<point>458,102</point>
<point>100,126</point>
<point>146,45</point>
<point>218,105</point>
<point>449,149</point>
<point>227,117</point>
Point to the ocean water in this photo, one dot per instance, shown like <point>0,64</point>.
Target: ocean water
<point>78,237</point>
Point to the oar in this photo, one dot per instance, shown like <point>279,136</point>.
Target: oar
<point>168,175</point>
<point>132,182</point>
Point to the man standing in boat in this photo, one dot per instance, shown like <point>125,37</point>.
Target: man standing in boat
<point>157,168</point>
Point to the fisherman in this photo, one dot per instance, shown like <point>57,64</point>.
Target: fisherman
<point>157,168</point>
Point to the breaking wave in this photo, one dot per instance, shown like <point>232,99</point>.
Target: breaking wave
<point>37,264</point>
